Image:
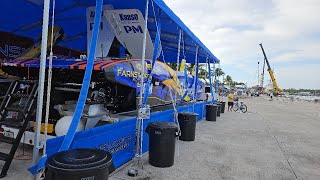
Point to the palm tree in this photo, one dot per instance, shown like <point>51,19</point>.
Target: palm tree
<point>202,72</point>
<point>219,72</point>
<point>172,65</point>
<point>228,79</point>
<point>239,83</point>
<point>190,67</point>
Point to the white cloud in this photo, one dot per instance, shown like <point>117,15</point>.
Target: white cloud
<point>232,30</point>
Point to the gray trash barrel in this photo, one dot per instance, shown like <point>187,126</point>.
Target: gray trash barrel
<point>219,109</point>
<point>187,122</point>
<point>223,106</point>
<point>162,140</point>
<point>211,112</point>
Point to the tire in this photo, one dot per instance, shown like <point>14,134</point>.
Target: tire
<point>235,107</point>
<point>243,108</point>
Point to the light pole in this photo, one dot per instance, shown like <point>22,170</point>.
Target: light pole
<point>258,74</point>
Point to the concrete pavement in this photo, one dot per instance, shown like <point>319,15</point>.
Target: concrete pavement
<point>275,140</point>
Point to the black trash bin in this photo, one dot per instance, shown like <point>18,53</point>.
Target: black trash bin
<point>162,140</point>
<point>223,106</point>
<point>187,122</point>
<point>211,112</point>
<point>219,109</point>
<point>79,164</point>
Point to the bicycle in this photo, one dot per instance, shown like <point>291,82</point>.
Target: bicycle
<point>240,106</point>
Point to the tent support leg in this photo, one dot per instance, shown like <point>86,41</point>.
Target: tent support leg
<point>210,80</point>
<point>44,42</point>
<point>134,170</point>
<point>196,79</point>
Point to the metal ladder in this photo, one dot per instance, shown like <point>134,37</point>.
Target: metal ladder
<point>20,98</point>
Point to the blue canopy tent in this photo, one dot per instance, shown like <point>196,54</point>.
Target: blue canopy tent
<point>24,17</point>
<point>70,15</point>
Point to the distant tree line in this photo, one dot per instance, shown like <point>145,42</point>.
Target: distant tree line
<point>297,91</point>
<point>204,74</point>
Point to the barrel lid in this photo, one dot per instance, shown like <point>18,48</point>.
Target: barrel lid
<point>79,160</point>
<point>163,125</point>
<point>188,113</point>
<point>211,105</point>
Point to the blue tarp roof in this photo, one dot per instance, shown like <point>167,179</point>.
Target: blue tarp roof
<point>24,17</point>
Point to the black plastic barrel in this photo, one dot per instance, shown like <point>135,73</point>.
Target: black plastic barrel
<point>223,106</point>
<point>211,112</point>
<point>219,109</point>
<point>187,122</point>
<point>79,164</point>
<point>162,140</point>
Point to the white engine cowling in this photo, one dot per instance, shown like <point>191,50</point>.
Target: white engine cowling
<point>63,125</point>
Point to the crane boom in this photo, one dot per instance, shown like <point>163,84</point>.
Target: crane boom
<point>262,75</point>
<point>273,79</point>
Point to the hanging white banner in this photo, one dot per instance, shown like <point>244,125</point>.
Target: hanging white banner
<point>106,35</point>
<point>128,26</point>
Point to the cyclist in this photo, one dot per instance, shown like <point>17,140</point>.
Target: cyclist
<point>230,100</point>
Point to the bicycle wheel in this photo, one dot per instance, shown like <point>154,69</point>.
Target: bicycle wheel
<point>235,107</point>
<point>243,108</point>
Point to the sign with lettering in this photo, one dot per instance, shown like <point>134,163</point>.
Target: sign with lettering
<point>12,46</point>
<point>128,27</point>
<point>106,36</point>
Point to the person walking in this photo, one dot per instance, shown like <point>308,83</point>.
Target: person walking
<point>230,100</point>
<point>271,95</point>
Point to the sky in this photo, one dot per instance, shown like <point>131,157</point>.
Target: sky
<point>233,29</point>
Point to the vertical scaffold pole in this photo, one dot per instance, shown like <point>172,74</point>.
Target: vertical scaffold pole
<point>139,124</point>
<point>178,64</point>
<point>44,41</point>
<point>196,77</point>
<point>210,81</point>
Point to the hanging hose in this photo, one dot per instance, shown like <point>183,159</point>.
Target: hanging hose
<point>173,102</point>
<point>175,116</point>
<point>177,68</point>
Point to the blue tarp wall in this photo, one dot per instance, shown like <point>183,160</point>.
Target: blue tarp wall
<point>119,138</point>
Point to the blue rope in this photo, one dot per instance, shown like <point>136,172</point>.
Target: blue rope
<point>86,80</point>
<point>83,93</point>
